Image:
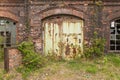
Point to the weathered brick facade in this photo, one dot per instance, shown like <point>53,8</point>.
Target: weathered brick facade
<point>35,11</point>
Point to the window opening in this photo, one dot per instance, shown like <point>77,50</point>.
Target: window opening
<point>115,35</point>
<point>6,38</point>
<point>7,33</point>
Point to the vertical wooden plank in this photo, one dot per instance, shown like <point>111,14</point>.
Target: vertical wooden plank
<point>6,59</point>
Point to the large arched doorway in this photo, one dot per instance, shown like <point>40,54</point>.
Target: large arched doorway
<point>115,35</point>
<point>7,32</point>
<point>63,35</point>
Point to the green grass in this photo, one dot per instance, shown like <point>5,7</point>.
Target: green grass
<point>106,68</point>
<point>92,69</point>
<point>74,65</point>
<point>105,64</point>
<point>86,66</point>
<point>1,54</point>
<point>114,59</point>
<point>1,74</point>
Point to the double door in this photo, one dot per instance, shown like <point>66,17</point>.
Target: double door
<point>63,36</point>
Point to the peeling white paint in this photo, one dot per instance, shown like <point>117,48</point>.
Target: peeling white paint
<point>66,32</point>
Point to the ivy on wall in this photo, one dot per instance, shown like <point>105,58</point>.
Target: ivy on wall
<point>95,48</point>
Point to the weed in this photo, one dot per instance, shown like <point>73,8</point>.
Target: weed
<point>74,64</point>
<point>25,71</point>
<point>96,48</point>
<point>114,59</point>
<point>31,60</point>
<point>1,76</point>
<point>92,69</point>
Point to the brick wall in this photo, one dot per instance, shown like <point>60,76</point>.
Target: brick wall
<point>83,9</point>
<point>39,10</point>
<point>16,13</point>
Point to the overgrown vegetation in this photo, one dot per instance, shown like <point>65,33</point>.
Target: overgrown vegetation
<point>106,67</point>
<point>109,65</point>
<point>114,59</point>
<point>78,69</point>
<point>1,48</point>
<point>31,60</point>
<point>96,47</point>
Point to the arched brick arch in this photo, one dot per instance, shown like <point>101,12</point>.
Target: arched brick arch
<point>9,15</point>
<point>114,16</point>
<point>62,11</point>
<point>56,11</point>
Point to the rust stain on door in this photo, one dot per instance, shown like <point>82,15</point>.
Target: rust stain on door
<point>63,36</point>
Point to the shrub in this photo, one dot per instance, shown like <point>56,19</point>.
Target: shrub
<point>96,48</point>
<point>31,59</point>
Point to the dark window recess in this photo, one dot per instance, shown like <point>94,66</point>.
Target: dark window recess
<point>117,21</point>
<point>6,37</point>
<point>112,47</point>
<point>112,42</point>
<point>112,27</point>
<point>117,47</point>
<point>117,42</point>
<point>117,36</point>
<point>118,30</point>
